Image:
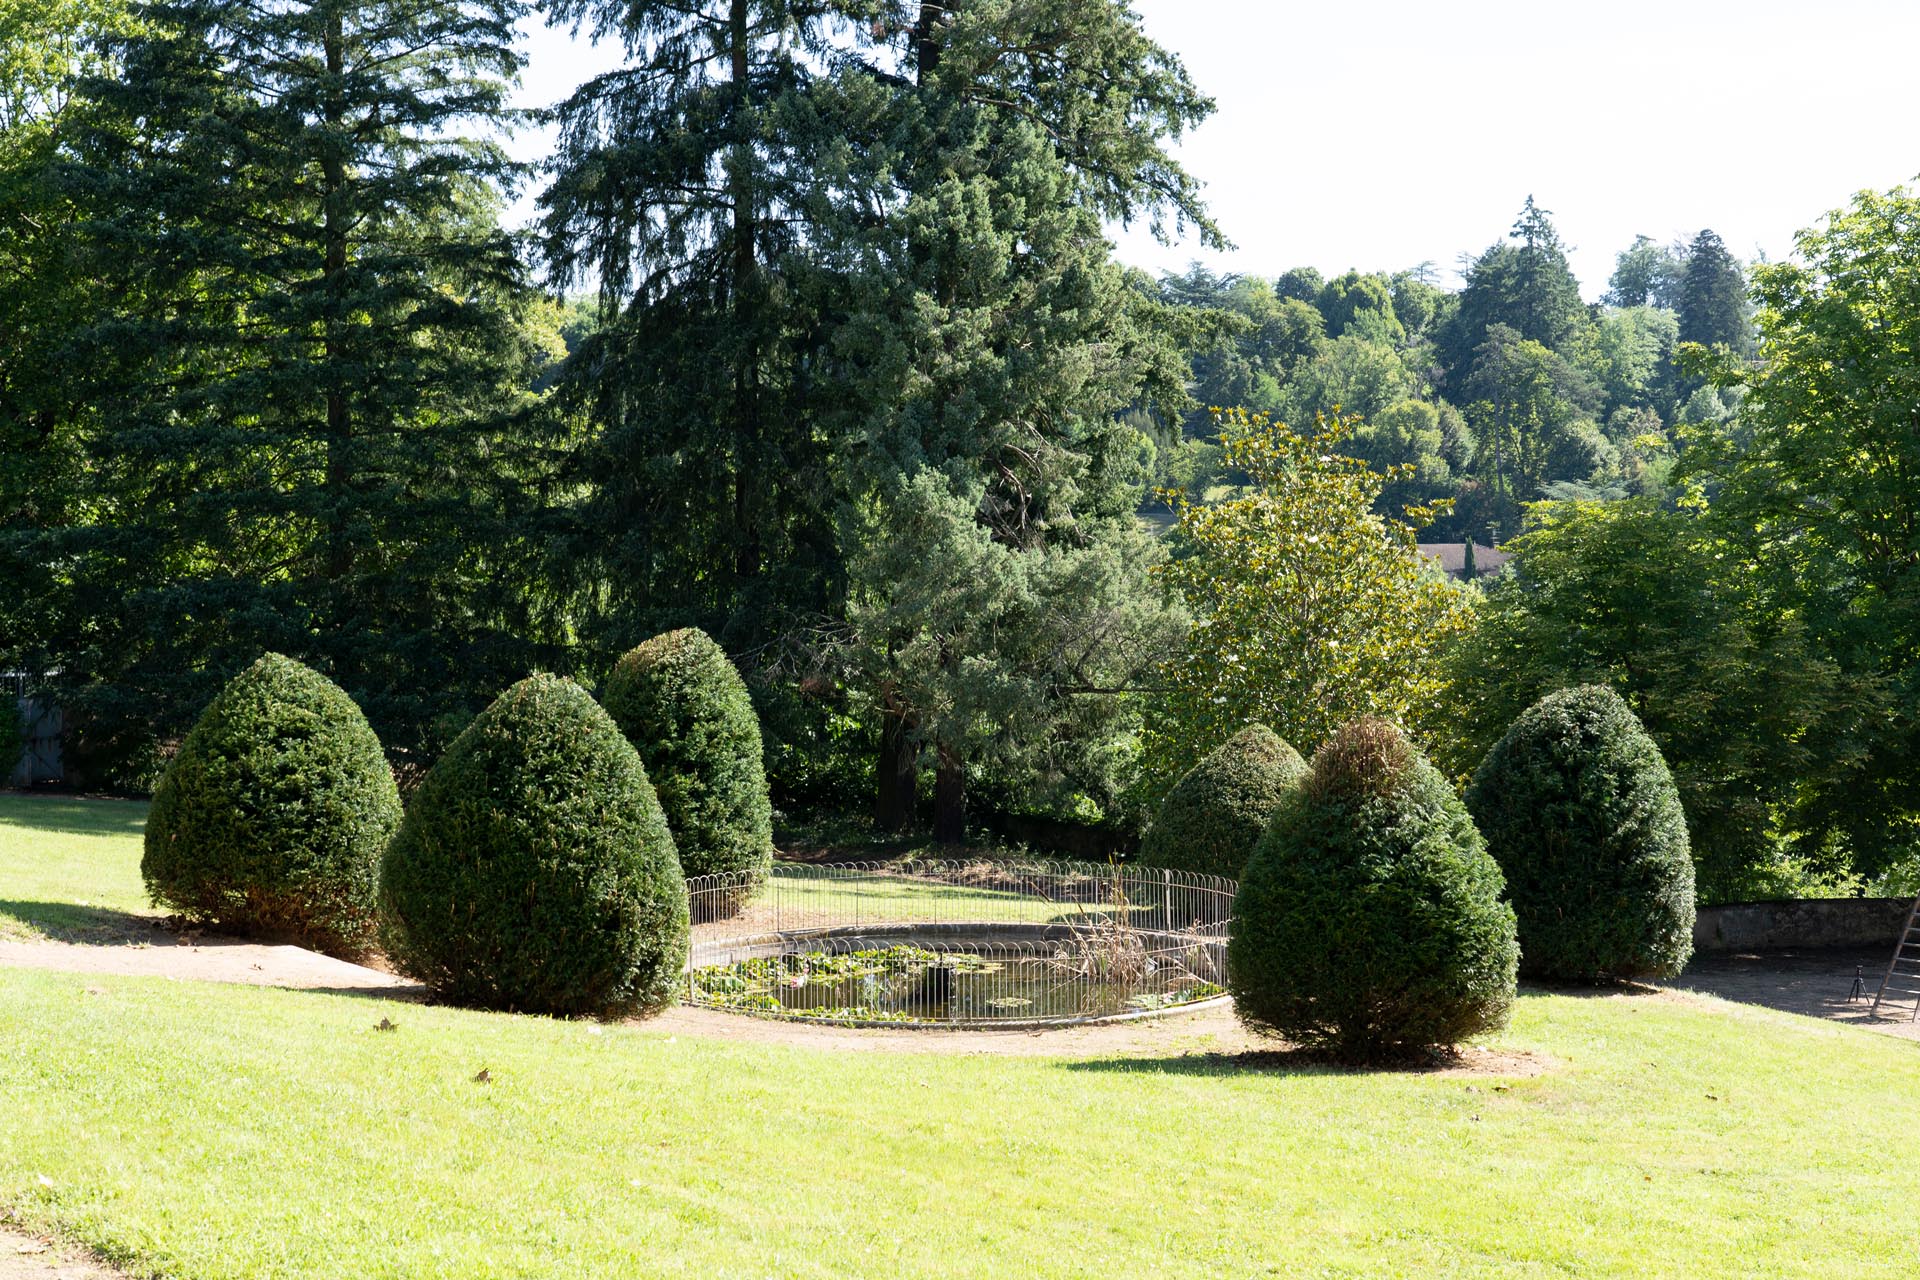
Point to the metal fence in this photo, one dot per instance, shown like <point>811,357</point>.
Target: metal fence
<point>957,942</point>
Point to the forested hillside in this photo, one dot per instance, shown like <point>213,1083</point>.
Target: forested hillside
<point>1504,391</point>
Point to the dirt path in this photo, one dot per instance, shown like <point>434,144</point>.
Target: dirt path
<point>30,1257</point>
<point>201,959</point>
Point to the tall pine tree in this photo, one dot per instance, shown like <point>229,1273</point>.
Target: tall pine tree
<point>1524,284</point>
<point>1713,297</point>
<point>311,376</point>
<point>988,347</point>
<point>685,185</point>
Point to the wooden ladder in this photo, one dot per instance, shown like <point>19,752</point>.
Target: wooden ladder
<point>1903,971</point>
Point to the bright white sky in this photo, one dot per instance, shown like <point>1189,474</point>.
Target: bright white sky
<point>1381,133</point>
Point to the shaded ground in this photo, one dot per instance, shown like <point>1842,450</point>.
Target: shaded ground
<point>1809,981</point>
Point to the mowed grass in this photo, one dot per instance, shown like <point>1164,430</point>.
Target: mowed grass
<point>203,1131</point>
<point>69,867</point>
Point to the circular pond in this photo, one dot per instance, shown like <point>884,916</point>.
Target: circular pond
<point>955,943</point>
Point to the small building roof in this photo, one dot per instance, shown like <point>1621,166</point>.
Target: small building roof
<point>1452,558</point>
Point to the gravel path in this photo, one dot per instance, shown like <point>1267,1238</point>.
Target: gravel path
<point>1814,982</point>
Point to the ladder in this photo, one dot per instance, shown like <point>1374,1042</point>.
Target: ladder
<point>1903,971</point>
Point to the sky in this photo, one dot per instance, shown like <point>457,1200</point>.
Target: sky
<point>1379,134</point>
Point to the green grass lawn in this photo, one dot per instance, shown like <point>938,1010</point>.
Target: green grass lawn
<point>70,868</point>
<point>206,1131</point>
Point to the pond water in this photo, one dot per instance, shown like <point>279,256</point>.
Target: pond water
<point>910,984</point>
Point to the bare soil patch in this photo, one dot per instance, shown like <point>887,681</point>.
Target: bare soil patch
<point>29,1257</point>
<point>201,958</point>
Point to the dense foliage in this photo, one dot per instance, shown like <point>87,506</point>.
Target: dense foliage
<point>1641,599</point>
<point>1216,813</point>
<point>1580,812</point>
<point>296,384</point>
<point>534,870</point>
<point>684,708</point>
<point>272,817</point>
<point>1310,609</point>
<point>1369,923</point>
<point>1813,486</point>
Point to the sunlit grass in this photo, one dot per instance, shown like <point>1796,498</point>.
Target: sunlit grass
<point>205,1131</point>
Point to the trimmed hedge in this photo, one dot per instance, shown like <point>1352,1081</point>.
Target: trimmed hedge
<point>534,871</point>
<point>271,818</point>
<point>1582,815</point>
<point>1215,814</point>
<point>1369,924</point>
<point>684,707</point>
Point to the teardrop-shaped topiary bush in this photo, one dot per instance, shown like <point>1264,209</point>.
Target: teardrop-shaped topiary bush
<point>534,871</point>
<point>1369,924</point>
<point>1582,815</point>
<point>1214,815</point>
<point>685,709</point>
<point>271,818</point>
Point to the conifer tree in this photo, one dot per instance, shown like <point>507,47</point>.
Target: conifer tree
<point>990,345</point>
<point>311,380</point>
<point>685,184</point>
<point>1713,297</point>
<point>1525,284</point>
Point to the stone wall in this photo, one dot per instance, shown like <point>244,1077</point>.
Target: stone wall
<point>1803,922</point>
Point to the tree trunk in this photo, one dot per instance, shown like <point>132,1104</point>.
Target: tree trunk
<point>333,180</point>
<point>740,176</point>
<point>950,798</point>
<point>898,772</point>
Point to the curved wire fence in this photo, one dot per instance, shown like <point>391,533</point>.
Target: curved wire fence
<point>957,942</point>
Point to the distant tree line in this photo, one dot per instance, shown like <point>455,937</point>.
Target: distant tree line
<point>1507,391</point>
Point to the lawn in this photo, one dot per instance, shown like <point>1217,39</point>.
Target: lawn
<point>69,868</point>
<point>211,1131</point>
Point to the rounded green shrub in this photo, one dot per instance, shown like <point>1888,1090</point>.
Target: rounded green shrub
<point>1214,815</point>
<point>1578,808</point>
<point>534,871</point>
<point>1369,924</point>
<point>271,818</point>
<point>686,710</point>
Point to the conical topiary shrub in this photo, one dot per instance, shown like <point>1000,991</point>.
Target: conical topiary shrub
<point>1214,815</point>
<point>534,871</point>
<point>272,816</point>
<point>1369,923</point>
<point>686,711</point>
<point>1581,813</point>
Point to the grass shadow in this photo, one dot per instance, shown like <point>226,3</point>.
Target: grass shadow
<point>71,922</point>
<point>1587,990</point>
<point>73,815</point>
<point>1254,1062</point>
